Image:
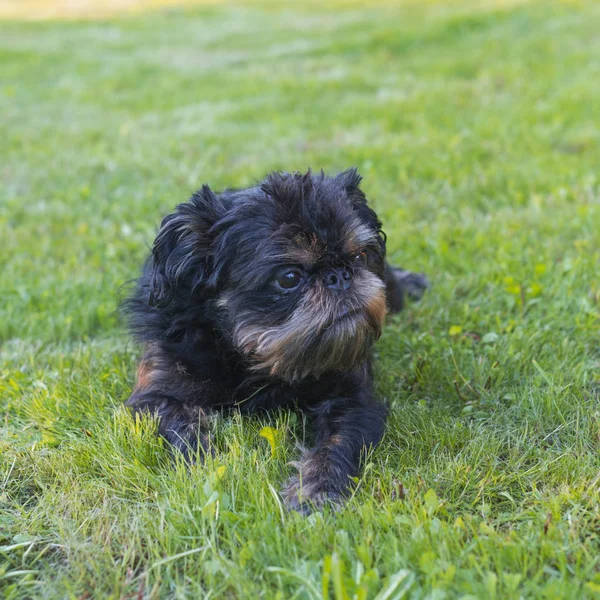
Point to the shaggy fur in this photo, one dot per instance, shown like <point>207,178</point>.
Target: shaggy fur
<point>269,297</point>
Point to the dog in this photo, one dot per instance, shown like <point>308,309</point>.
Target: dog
<point>264,298</point>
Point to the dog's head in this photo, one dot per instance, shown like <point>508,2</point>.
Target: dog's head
<point>293,266</point>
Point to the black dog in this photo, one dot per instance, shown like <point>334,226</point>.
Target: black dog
<point>268,297</point>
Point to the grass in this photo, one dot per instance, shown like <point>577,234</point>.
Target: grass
<point>476,129</point>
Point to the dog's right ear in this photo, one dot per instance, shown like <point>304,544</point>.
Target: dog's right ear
<point>181,254</point>
<point>349,179</point>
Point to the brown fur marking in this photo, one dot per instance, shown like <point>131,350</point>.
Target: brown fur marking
<point>306,250</point>
<point>357,238</point>
<point>145,371</point>
<point>377,308</point>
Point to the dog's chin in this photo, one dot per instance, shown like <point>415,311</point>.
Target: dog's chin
<point>305,351</point>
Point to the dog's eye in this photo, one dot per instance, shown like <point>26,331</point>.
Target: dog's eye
<point>288,280</point>
<point>361,258</point>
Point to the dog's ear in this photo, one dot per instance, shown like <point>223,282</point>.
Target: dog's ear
<point>181,254</point>
<point>349,180</point>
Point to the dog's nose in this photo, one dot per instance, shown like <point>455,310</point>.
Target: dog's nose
<point>338,279</point>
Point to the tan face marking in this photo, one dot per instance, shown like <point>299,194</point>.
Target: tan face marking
<point>372,291</point>
<point>377,308</point>
<point>357,237</point>
<point>325,333</point>
<point>306,250</point>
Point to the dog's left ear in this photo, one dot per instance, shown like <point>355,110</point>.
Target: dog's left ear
<point>181,255</point>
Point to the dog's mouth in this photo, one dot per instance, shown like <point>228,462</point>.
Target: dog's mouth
<point>346,312</point>
<point>344,316</point>
<point>354,317</point>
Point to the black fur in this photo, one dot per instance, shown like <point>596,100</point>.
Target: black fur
<point>218,332</point>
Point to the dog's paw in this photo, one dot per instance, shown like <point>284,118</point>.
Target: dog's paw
<point>190,444</point>
<point>305,497</point>
<point>413,284</point>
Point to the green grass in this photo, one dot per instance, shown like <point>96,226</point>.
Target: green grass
<point>476,128</point>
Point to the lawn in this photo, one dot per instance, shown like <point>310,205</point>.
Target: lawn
<point>476,128</point>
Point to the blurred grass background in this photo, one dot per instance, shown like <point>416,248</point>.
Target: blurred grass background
<point>475,126</point>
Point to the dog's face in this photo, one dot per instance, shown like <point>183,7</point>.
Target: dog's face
<point>296,268</point>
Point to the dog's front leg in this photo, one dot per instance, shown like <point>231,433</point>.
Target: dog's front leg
<point>181,403</point>
<point>184,426</point>
<point>344,428</point>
